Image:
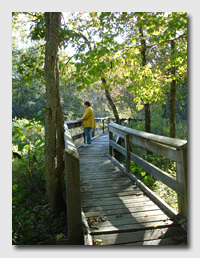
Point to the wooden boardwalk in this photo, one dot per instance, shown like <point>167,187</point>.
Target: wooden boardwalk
<point>117,211</point>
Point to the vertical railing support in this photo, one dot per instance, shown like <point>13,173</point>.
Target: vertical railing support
<point>73,191</point>
<point>181,171</point>
<point>127,153</point>
<point>103,125</point>
<point>73,195</point>
<point>84,136</point>
<point>111,149</point>
<point>93,132</point>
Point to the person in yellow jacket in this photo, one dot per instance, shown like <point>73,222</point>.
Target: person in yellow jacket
<point>88,122</point>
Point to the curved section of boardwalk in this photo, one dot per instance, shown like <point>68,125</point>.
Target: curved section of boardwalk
<point>117,211</point>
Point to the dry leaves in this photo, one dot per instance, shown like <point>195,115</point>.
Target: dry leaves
<point>95,219</point>
<point>119,215</point>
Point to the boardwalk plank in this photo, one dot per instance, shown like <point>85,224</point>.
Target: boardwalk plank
<point>132,218</point>
<point>141,236</point>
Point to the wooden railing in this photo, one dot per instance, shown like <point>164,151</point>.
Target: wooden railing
<point>76,123</point>
<point>173,149</point>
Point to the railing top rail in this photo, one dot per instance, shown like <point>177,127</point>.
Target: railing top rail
<point>76,123</point>
<point>96,118</point>
<point>69,144</point>
<point>176,143</point>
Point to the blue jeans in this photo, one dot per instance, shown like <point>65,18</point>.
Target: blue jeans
<point>88,135</point>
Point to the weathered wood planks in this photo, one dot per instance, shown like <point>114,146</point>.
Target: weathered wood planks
<point>174,149</point>
<point>107,193</point>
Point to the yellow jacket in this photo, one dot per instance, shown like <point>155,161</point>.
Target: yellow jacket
<point>88,118</point>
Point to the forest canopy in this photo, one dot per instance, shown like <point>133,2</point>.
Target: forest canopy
<point>132,52</point>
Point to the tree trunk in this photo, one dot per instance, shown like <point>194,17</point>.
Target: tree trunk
<point>53,187</point>
<point>172,98</point>
<point>147,118</point>
<point>60,146</point>
<point>109,98</point>
<point>144,62</point>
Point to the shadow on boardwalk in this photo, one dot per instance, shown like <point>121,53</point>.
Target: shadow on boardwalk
<point>117,210</point>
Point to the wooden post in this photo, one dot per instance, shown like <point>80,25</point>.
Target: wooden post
<point>111,149</point>
<point>127,153</point>
<point>103,125</point>
<point>73,195</point>
<point>108,123</point>
<point>181,171</point>
<point>84,137</point>
<point>93,132</point>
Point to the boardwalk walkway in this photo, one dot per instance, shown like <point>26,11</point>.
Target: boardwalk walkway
<point>117,211</point>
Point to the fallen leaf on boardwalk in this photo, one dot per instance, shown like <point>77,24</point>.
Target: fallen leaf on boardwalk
<point>119,215</point>
<point>114,168</point>
<point>95,197</point>
<point>97,242</point>
<point>83,188</point>
<point>166,219</point>
<point>85,182</point>
<point>146,215</point>
<point>155,226</point>
<point>103,219</point>
<point>137,194</point>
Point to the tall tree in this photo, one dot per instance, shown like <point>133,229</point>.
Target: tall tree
<point>54,143</point>
<point>82,35</point>
<point>144,62</point>
<point>172,97</point>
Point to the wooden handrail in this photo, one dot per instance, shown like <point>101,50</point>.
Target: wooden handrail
<point>75,123</point>
<point>73,190</point>
<point>173,149</point>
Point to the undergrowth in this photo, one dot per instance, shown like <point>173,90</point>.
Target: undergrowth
<point>32,223</point>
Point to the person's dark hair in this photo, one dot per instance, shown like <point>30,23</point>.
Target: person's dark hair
<point>87,103</point>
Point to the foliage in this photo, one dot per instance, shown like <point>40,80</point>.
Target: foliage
<point>106,45</point>
<point>31,219</point>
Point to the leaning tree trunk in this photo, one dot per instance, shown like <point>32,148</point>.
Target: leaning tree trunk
<point>112,104</point>
<point>53,187</point>
<point>144,62</point>
<point>172,98</point>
